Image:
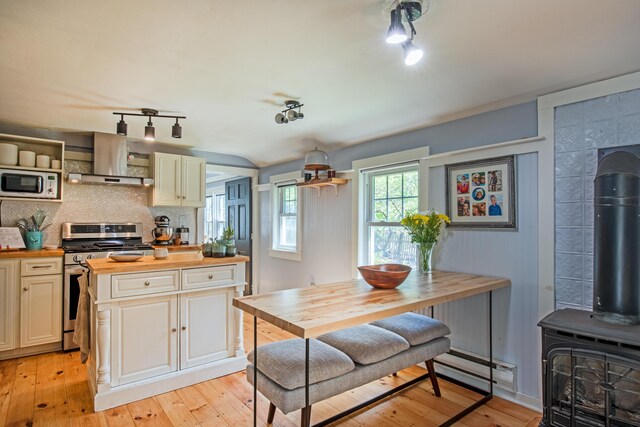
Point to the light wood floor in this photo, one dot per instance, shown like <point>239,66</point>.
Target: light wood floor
<point>51,390</point>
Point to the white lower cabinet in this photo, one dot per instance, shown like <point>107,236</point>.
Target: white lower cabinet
<point>145,340</point>
<point>200,342</point>
<point>8,321</point>
<point>40,309</point>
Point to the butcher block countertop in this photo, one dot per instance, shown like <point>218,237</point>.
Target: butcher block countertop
<point>38,253</point>
<point>149,263</point>
<point>178,248</point>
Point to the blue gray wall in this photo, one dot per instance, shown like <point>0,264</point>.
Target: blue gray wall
<point>580,130</point>
<point>506,124</point>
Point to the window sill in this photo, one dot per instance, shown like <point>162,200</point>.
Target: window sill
<point>288,255</point>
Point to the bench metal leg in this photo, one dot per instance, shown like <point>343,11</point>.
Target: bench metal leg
<point>255,371</point>
<point>305,417</point>
<point>272,413</point>
<point>434,379</point>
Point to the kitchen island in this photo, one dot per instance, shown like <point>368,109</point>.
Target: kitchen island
<point>159,325</point>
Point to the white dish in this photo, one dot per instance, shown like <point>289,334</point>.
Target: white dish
<point>50,247</point>
<point>129,257</point>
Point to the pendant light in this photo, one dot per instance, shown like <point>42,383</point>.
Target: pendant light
<point>149,132</point>
<point>412,54</point>
<point>121,128</point>
<point>176,130</point>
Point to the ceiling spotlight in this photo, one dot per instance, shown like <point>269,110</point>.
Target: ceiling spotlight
<point>412,54</point>
<point>289,115</point>
<point>121,128</point>
<point>396,33</point>
<point>176,130</point>
<point>149,130</point>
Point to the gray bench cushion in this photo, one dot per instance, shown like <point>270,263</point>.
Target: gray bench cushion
<point>366,344</point>
<point>284,362</point>
<point>413,327</point>
<point>291,400</point>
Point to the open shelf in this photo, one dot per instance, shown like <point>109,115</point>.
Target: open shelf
<point>327,182</point>
<point>24,168</point>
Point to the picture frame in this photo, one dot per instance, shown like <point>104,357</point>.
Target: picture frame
<point>481,193</point>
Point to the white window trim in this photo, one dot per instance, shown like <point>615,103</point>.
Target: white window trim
<point>275,181</point>
<point>358,197</point>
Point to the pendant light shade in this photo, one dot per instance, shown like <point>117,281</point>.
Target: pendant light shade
<point>176,130</point>
<point>121,127</point>
<point>396,33</point>
<point>412,54</point>
<point>149,132</point>
<point>316,160</point>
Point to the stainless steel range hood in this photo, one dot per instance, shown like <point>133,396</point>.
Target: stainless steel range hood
<point>110,162</point>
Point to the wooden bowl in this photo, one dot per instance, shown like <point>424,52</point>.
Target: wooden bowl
<point>385,276</point>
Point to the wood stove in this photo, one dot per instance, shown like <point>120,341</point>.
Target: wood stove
<point>591,360</point>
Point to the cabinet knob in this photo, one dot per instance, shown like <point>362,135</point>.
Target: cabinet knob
<point>184,328</point>
<point>25,289</point>
<point>147,283</point>
<point>210,276</point>
<point>173,329</point>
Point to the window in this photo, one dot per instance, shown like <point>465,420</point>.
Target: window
<point>390,194</point>
<point>214,216</point>
<point>285,218</point>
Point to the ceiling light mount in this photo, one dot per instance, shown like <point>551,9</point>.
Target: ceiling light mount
<point>289,114</point>
<point>149,130</point>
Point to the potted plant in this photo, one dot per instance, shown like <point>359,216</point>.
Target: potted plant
<point>219,248</point>
<point>231,250</point>
<point>228,237</point>
<point>207,248</point>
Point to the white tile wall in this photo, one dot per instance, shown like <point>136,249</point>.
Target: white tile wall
<point>581,129</point>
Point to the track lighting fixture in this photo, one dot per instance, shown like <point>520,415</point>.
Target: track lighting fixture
<point>412,54</point>
<point>149,130</point>
<point>410,10</point>
<point>289,115</point>
<point>396,33</point>
<point>121,128</point>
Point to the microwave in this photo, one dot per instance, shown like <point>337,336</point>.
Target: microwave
<point>37,185</point>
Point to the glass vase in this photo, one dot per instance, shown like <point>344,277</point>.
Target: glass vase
<point>425,251</point>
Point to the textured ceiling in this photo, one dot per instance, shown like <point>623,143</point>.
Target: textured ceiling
<point>227,65</point>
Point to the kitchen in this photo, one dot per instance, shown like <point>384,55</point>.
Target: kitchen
<point>329,226</point>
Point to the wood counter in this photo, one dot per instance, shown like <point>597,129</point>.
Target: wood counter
<point>149,263</point>
<point>309,312</point>
<point>38,253</point>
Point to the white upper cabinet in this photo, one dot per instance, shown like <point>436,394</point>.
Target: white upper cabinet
<point>179,180</point>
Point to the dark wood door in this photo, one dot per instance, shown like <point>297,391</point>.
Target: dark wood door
<point>238,206</point>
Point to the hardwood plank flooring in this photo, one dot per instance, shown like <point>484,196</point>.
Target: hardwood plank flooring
<point>52,390</point>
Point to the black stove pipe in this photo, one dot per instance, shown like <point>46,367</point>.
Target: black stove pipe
<point>616,269</point>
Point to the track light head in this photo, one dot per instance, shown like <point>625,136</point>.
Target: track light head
<point>396,33</point>
<point>176,130</point>
<point>412,54</point>
<point>121,127</point>
<point>294,115</point>
<point>281,119</point>
<point>149,132</point>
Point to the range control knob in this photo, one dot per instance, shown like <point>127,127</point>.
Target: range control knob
<point>91,256</point>
<point>77,258</point>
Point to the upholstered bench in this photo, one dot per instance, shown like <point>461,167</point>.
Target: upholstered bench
<point>342,360</point>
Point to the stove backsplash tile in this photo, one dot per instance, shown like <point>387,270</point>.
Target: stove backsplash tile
<point>96,203</point>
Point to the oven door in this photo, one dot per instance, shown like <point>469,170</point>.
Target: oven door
<point>71,295</point>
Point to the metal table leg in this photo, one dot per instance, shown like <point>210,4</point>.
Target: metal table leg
<point>255,371</point>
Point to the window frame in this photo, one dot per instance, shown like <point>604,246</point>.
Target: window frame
<point>276,250</point>
<point>368,221</point>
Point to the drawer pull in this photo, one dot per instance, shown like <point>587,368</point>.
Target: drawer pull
<point>173,329</point>
<point>184,328</point>
<point>147,283</point>
<point>25,289</point>
<point>210,276</point>
<point>42,266</point>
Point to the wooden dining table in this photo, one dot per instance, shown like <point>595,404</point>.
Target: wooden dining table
<point>316,310</point>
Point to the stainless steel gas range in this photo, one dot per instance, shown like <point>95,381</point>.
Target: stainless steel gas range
<point>83,241</point>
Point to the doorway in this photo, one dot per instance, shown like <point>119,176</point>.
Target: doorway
<point>229,195</point>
